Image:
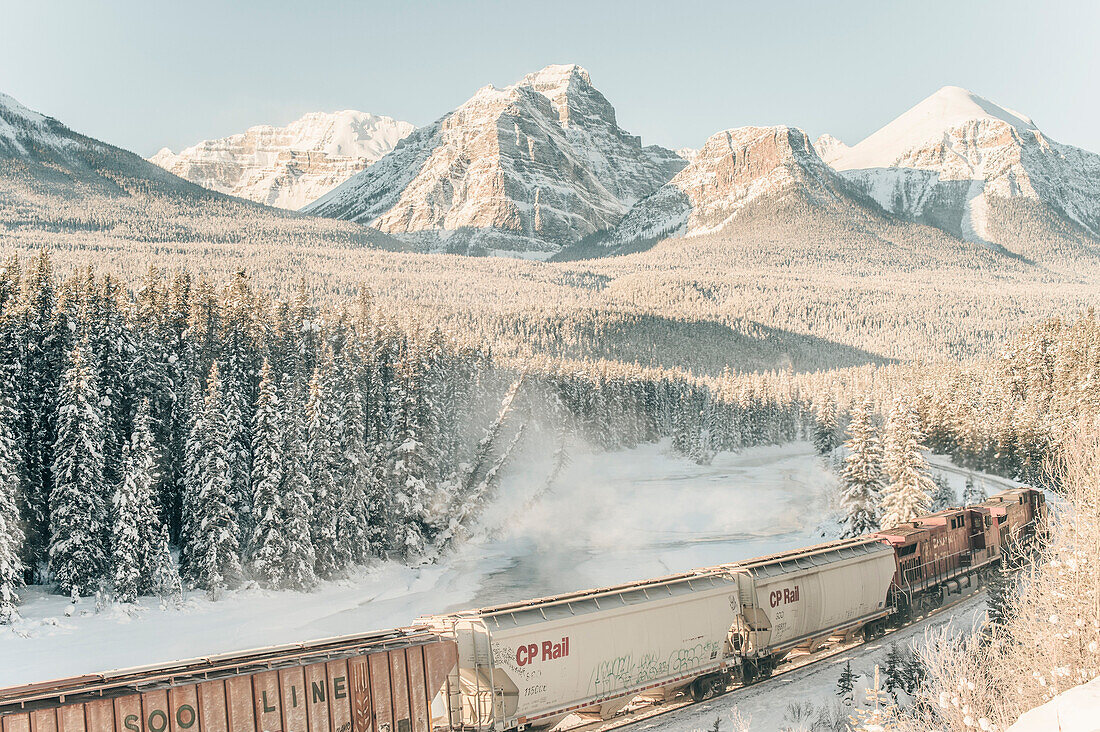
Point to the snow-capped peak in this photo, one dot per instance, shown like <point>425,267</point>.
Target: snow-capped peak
<point>288,166</point>
<point>20,126</point>
<point>955,158</point>
<point>926,123</point>
<point>829,148</point>
<point>556,77</point>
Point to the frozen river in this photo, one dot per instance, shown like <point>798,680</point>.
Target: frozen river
<point>609,518</point>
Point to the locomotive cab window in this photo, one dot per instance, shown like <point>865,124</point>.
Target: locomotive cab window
<point>907,550</point>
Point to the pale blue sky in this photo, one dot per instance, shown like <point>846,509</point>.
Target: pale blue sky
<point>146,73</point>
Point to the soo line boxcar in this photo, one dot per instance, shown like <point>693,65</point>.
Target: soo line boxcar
<point>533,663</point>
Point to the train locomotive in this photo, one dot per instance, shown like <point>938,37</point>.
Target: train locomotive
<point>533,663</point>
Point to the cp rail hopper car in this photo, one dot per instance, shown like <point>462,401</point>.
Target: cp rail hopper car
<point>533,663</point>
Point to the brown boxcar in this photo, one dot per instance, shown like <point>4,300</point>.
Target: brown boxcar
<point>384,682</point>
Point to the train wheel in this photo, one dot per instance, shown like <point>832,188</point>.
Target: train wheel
<point>748,672</point>
<point>707,686</point>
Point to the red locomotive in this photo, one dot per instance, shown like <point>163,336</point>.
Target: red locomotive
<point>944,552</point>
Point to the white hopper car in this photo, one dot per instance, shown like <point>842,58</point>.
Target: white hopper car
<point>593,652</point>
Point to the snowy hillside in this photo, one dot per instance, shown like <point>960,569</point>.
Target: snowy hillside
<point>525,169</point>
<point>289,166</point>
<point>982,172</point>
<point>66,191</point>
<point>23,130</point>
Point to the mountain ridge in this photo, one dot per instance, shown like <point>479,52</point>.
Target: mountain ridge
<point>288,166</point>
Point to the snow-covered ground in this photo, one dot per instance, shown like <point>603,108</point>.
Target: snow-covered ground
<point>1075,710</point>
<point>610,517</point>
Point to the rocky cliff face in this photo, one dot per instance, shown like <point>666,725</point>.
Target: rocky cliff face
<point>523,170</point>
<point>733,169</point>
<point>982,172</point>
<point>289,166</point>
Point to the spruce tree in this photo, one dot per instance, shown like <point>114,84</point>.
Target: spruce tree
<point>894,671</point>
<point>166,577</point>
<point>845,685</point>
<point>126,555</point>
<point>825,428</point>
<point>908,484</point>
<point>943,495</point>
<point>11,531</point>
<point>137,525</point>
<point>268,546</point>
<point>44,361</point>
<point>321,458</point>
<point>215,550</point>
<point>352,466</point>
<point>862,480</point>
<point>78,557</point>
<point>190,517</point>
<point>972,494</point>
<point>299,559</point>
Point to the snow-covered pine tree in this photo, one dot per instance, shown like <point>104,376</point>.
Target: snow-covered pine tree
<point>269,539</point>
<point>150,376</point>
<point>11,530</point>
<point>176,424</point>
<point>166,577</point>
<point>825,427</point>
<point>78,557</point>
<point>410,469</point>
<point>908,484</point>
<point>44,361</point>
<point>190,516</point>
<point>973,494</point>
<point>239,346</point>
<point>943,495</point>
<point>136,504</point>
<point>321,456</point>
<point>215,550</point>
<point>299,558</point>
<point>126,551</point>
<point>353,466</point>
<point>862,480</point>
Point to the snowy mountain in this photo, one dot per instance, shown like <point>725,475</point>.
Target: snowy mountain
<point>62,189</point>
<point>289,166</point>
<point>982,172</point>
<point>732,170</point>
<point>525,170</point>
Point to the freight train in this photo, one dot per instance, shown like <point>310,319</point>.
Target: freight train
<point>532,664</point>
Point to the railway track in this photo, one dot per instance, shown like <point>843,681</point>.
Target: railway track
<point>994,480</point>
<point>651,711</point>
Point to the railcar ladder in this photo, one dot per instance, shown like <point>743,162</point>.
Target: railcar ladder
<point>493,717</point>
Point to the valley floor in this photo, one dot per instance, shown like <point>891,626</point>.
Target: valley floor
<point>648,513</point>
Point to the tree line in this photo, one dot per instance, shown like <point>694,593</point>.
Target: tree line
<point>263,439</point>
